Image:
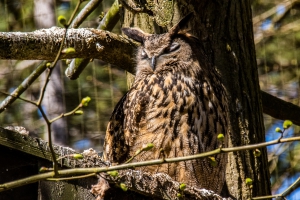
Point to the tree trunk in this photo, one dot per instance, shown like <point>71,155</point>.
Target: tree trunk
<point>225,29</point>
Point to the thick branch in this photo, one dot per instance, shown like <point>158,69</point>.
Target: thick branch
<point>280,109</point>
<point>159,185</point>
<point>88,43</point>
<point>155,185</point>
<point>91,43</point>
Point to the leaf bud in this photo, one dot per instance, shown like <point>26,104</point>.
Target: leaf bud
<point>147,147</point>
<point>78,112</point>
<point>257,152</point>
<point>182,186</point>
<point>69,50</point>
<point>287,124</point>
<point>221,137</point>
<point>278,130</point>
<point>77,156</point>
<point>113,173</point>
<point>85,101</point>
<point>62,20</point>
<point>249,181</point>
<point>212,161</point>
<point>124,187</point>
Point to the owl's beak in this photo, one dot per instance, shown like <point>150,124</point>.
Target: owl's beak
<point>153,62</point>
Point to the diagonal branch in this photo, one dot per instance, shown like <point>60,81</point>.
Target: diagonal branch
<point>280,109</point>
<point>88,43</point>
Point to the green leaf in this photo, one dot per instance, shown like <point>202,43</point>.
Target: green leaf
<point>77,156</point>
<point>69,50</point>
<point>278,130</point>
<point>123,187</point>
<point>212,161</point>
<point>78,112</point>
<point>113,173</point>
<point>85,101</point>
<point>221,137</point>
<point>62,20</point>
<point>249,181</point>
<point>287,124</point>
<point>257,152</point>
<point>182,186</point>
<point>179,195</point>
<point>44,169</point>
<point>148,147</point>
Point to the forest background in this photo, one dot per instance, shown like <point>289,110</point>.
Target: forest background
<point>276,26</point>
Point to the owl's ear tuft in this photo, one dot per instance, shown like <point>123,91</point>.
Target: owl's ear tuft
<point>135,34</point>
<point>181,24</point>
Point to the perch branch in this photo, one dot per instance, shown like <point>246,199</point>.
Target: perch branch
<point>88,43</point>
<point>42,67</point>
<point>280,109</point>
<point>81,171</point>
<point>44,44</point>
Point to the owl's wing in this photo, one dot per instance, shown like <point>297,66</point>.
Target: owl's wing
<point>125,122</point>
<point>114,147</point>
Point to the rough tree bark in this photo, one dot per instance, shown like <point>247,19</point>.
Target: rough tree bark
<point>225,29</point>
<point>90,43</point>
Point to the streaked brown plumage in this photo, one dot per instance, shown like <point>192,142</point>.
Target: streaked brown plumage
<point>175,104</point>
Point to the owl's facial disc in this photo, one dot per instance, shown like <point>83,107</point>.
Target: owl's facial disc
<point>153,56</point>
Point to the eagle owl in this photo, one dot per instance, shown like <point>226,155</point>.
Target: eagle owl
<point>175,104</point>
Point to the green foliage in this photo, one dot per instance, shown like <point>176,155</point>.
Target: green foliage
<point>78,112</point>
<point>113,173</point>
<point>78,156</point>
<point>257,152</point>
<point>69,50</point>
<point>182,186</point>
<point>249,181</point>
<point>287,124</point>
<point>278,130</point>
<point>85,101</point>
<point>221,137</point>
<point>212,161</point>
<point>62,20</point>
<point>124,187</point>
<point>148,147</point>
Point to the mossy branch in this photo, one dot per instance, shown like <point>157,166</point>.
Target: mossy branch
<point>44,44</point>
<point>88,43</point>
<point>42,67</point>
<point>82,171</point>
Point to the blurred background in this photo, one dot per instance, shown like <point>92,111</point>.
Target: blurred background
<point>276,26</point>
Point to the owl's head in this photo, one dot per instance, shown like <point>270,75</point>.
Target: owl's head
<point>161,52</point>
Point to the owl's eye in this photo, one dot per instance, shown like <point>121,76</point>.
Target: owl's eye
<point>174,46</point>
<point>144,55</point>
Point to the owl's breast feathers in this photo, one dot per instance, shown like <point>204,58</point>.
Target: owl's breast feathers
<point>179,115</point>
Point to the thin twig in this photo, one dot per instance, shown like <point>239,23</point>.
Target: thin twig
<point>69,172</point>
<point>42,67</point>
<point>39,102</point>
<point>85,12</point>
<point>288,191</point>
<point>23,86</point>
<point>108,22</point>
<point>71,178</point>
